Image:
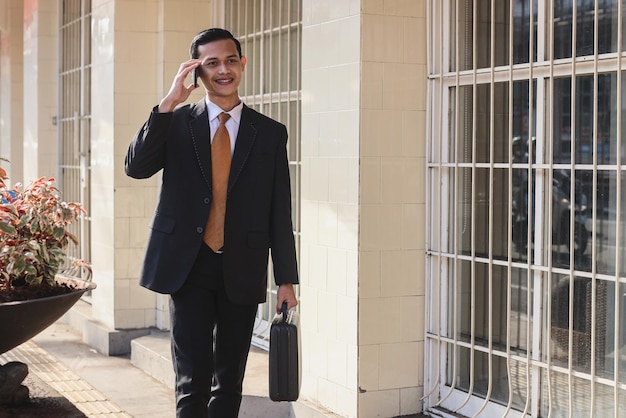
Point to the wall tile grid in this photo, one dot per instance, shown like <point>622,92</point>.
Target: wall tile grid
<point>122,97</point>
<point>329,193</point>
<point>137,91</point>
<point>140,304</point>
<point>392,189</point>
<point>12,76</point>
<point>102,212</point>
<point>47,86</point>
<point>31,98</point>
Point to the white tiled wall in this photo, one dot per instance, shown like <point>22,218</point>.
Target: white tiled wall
<point>330,202</point>
<point>11,85</point>
<point>391,257</point>
<point>40,90</point>
<point>363,183</point>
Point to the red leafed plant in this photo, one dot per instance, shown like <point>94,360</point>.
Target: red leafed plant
<point>33,239</point>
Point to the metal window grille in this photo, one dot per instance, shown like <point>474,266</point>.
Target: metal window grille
<point>526,185</point>
<point>270,35</point>
<point>74,114</point>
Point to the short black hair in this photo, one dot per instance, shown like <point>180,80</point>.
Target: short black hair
<point>210,35</point>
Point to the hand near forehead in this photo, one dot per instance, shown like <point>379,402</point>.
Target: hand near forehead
<point>179,93</point>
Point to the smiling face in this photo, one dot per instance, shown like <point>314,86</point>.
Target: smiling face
<point>220,70</point>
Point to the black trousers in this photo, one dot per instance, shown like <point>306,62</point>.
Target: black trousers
<point>210,341</point>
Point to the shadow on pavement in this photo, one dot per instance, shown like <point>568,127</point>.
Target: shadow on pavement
<point>44,402</point>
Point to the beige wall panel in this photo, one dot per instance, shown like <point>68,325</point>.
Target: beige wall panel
<point>330,202</point>
<point>40,91</point>
<point>11,85</point>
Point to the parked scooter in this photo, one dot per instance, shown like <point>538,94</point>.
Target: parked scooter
<point>561,211</point>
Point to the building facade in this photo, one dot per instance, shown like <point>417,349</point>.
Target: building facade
<point>456,171</point>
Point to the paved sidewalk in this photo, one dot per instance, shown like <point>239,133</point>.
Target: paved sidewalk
<point>44,401</point>
<point>98,385</point>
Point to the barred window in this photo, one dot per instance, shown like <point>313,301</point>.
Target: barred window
<point>526,169</point>
<point>74,114</point>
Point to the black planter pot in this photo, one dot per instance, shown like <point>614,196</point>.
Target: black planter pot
<point>22,320</point>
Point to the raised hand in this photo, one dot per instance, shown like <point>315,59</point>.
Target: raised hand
<point>178,91</point>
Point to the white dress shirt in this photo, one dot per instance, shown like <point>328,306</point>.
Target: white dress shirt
<point>232,124</point>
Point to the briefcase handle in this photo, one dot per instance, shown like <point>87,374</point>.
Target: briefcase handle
<point>288,316</point>
<point>283,310</point>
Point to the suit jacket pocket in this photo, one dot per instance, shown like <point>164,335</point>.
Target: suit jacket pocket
<point>258,240</point>
<point>163,223</point>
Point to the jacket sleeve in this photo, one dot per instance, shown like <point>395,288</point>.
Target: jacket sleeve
<point>146,152</point>
<point>283,242</point>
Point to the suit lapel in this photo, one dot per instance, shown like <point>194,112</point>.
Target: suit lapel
<point>199,128</point>
<point>243,145</point>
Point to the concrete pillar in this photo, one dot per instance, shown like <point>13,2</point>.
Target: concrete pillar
<point>331,111</point>
<point>40,89</point>
<point>363,183</point>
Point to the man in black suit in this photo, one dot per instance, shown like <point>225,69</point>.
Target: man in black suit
<point>215,271</point>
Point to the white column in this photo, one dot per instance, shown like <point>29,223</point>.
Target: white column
<point>363,174</point>
<point>40,90</point>
<point>11,86</point>
<point>331,67</point>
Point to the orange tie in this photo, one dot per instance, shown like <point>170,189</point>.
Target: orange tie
<point>220,160</point>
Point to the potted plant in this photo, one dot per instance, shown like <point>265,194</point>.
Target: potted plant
<point>34,237</point>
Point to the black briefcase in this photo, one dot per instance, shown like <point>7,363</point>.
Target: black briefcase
<point>284,359</point>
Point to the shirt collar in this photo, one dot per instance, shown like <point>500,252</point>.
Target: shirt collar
<point>214,110</point>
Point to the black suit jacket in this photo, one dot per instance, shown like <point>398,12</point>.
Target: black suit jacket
<point>258,205</point>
